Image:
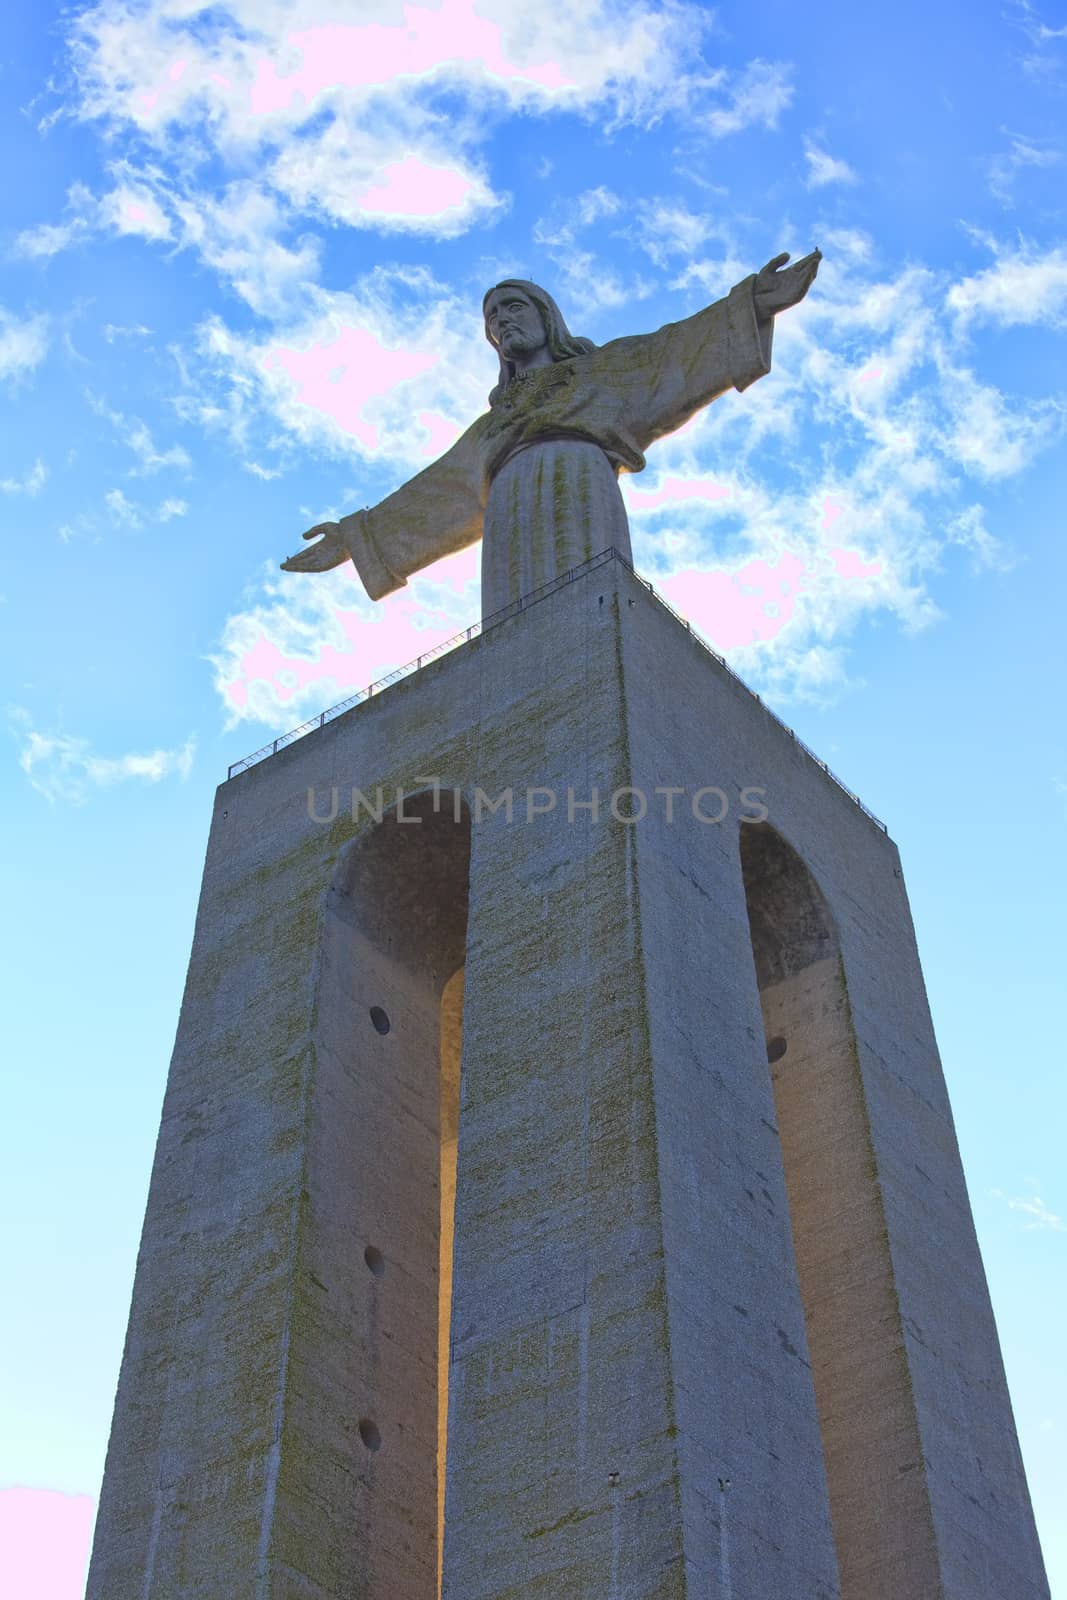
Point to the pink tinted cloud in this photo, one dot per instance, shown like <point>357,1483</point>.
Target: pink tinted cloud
<point>374,648</point>
<point>850,564</point>
<point>134,212</point>
<point>673,491</point>
<point>746,606</point>
<point>689,427</point>
<point>338,55</point>
<point>870,375</point>
<point>441,432</point>
<point>742,607</point>
<point>830,513</point>
<point>456,570</point>
<point>44,1543</point>
<point>754,602</point>
<point>340,377</point>
<point>412,188</point>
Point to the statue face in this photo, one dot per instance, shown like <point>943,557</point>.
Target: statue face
<point>514,324</point>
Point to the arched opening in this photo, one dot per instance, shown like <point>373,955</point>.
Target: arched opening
<point>388,1037</point>
<point>878,1503</point>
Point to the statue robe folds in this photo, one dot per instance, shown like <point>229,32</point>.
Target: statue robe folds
<point>535,477</point>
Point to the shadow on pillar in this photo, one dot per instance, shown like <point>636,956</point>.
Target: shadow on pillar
<point>879,1502</point>
<point>360,1499</point>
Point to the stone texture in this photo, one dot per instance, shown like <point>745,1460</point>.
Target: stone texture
<point>645,1393</point>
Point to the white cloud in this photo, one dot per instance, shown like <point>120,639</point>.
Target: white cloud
<point>336,116</point>
<point>1025,285</point>
<point>586,283</point>
<point>715,275</point>
<point>123,511</point>
<point>888,364</point>
<point>755,98</point>
<point>266,66</point>
<point>49,238</point>
<point>132,207</point>
<point>594,204</point>
<point>237,233</point>
<point>1022,152</point>
<point>351,174</point>
<point>569,215</point>
<point>338,119</point>
<point>968,530</point>
<point>63,767</point>
<point>851,243</point>
<point>22,344</point>
<point>873,423</point>
<point>150,459</point>
<point>777,579</point>
<point>984,433</point>
<point>137,436</point>
<point>824,168</point>
<point>1038,1213</point>
<point>305,645</point>
<point>667,230</point>
<point>31,483</point>
<point>239,237</point>
<point>1036,29</point>
<point>587,286</point>
<point>388,372</point>
<point>113,331</point>
<point>128,513</point>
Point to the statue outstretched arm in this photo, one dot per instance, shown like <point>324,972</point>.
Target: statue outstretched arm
<point>674,373</point>
<point>438,511</point>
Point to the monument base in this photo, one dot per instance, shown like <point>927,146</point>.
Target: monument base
<point>673,1289</point>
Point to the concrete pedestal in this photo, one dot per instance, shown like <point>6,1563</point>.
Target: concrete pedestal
<point>718,1322</point>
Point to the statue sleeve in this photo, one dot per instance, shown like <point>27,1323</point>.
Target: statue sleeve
<point>437,512</point>
<point>688,364</point>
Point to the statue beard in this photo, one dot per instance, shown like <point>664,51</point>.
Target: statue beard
<point>519,344</point>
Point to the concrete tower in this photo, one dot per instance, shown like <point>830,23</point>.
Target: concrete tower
<point>551,1206</point>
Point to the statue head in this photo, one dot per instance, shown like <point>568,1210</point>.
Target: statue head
<point>536,323</point>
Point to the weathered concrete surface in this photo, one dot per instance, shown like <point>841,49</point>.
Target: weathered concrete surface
<point>966,1531</point>
<point>632,1411</point>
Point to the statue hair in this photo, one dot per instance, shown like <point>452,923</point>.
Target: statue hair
<point>563,345</point>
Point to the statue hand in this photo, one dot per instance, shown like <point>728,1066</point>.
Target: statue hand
<point>776,289</point>
<point>330,551</point>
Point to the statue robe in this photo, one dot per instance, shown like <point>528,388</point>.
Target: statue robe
<point>535,477</point>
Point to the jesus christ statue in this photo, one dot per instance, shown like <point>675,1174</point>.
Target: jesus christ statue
<point>535,476</point>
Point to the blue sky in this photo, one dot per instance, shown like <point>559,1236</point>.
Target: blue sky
<point>241,263</point>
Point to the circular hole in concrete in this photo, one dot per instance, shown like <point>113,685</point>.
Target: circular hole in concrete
<point>368,1432</point>
<point>375,1260</point>
<point>776,1048</point>
<point>380,1019</point>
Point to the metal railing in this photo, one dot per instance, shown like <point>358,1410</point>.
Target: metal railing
<point>523,603</point>
<point>808,751</point>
